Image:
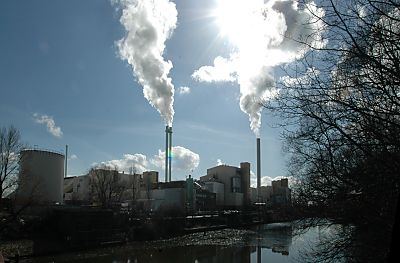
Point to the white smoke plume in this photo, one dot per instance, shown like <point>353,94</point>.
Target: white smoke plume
<point>148,24</point>
<point>52,128</point>
<point>264,39</point>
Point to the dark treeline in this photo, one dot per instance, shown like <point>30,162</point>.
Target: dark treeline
<point>341,106</point>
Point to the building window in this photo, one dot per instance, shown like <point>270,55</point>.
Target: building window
<point>236,185</point>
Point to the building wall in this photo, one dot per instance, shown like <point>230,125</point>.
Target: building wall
<point>133,184</point>
<point>281,194</point>
<point>236,183</point>
<point>265,194</point>
<point>150,177</point>
<point>234,200</point>
<point>245,176</point>
<point>218,189</point>
<point>168,198</point>
<point>77,188</point>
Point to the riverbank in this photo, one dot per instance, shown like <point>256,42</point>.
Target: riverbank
<point>72,230</point>
<point>210,236</point>
<point>177,249</point>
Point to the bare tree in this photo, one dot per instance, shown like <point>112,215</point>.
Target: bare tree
<point>10,146</point>
<point>106,185</point>
<point>341,104</point>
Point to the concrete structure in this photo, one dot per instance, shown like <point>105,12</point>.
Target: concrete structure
<point>150,177</point>
<point>205,200</point>
<point>164,196</point>
<point>79,189</point>
<point>264,195</point>
<point>190,194</point>
<point>236,181</point>
<point>281,193</point>
<point>278,193</point>
<point>41,177</point>
<point>218,189</point>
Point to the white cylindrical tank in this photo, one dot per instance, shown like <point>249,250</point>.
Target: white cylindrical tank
<point>41,176</point>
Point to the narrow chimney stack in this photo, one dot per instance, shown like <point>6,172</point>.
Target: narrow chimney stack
<point>166,152</point>
<point>258,167</point>
<point>170,154</point>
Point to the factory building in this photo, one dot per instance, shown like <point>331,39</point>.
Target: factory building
<point>278,193</point>
<point>236,182</point>
<point>163,196</point>
<point>76,189</point>
<point>216,188</point>
<point>265,195</point>
<point>119,186</point>
<point>281,193</point>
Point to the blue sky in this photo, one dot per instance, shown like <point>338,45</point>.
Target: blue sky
<point>59,62</point>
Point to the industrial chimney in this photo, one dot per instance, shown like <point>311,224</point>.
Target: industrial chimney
<point>168,153</point>
<point>258,169</point>
<point>66,161</point>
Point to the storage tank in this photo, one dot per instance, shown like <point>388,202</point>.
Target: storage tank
<point>41,176</point>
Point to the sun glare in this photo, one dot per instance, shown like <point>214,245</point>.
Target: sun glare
<point>237,19</point>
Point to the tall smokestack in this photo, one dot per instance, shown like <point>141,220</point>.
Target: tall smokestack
<point>170,153</point>
<point>66,160</point>
<point>166,153</point>
<point>258,168</point>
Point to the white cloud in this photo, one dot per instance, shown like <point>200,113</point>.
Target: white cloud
<point>50,123</point>
<point>73,157</point>
<point>183,161</point>
<point>130,162</point>
<point>183,90</point>
<point>219,162</point>
<point>222,70</point>
<point>267,180</point>
<point>148,24</point>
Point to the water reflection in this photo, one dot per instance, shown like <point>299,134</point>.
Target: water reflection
<point>277,237</point>
<point>266,243</point>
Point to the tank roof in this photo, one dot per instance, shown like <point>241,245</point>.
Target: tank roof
<point>42,150</point>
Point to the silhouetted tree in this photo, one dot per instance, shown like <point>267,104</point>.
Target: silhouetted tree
<point>341,104</point>
<point>106,185</point>
<point>10,146</point>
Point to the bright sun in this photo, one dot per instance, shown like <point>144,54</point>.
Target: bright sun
<point>238,19</point>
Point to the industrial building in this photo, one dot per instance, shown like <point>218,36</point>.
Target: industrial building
<point>224,187</point>
<point>235,192</point>
<point>120,186</point>
<point>277,194</point>
<point>281,193</point>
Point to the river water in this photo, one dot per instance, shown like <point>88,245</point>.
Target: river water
<point>264,243</point>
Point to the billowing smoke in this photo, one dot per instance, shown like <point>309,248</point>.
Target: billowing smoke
<point>265,39</point>
<point>52,128</point>
<point>148,24</point>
